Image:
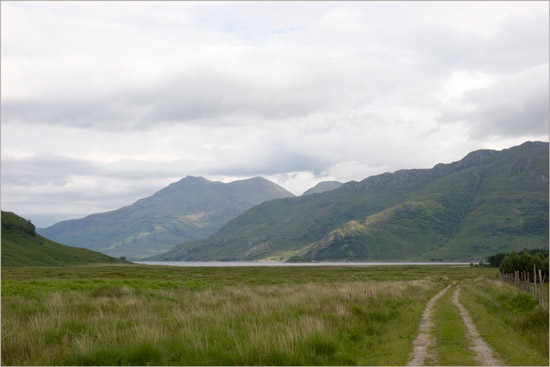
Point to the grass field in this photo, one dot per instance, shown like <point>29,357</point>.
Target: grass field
<point>154,315</point>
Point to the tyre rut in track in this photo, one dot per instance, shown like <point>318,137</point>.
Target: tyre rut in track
<point>483,353</point>
<point>424,339</point>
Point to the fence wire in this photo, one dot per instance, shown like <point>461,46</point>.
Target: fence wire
<point>522,280</point>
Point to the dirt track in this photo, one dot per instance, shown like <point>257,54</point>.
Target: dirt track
<point>483,353</point>
<point>424,340</point>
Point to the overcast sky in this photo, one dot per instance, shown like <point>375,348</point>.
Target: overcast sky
<point>104,103</point>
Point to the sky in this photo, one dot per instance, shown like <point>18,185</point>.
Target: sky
<point>104,103</point>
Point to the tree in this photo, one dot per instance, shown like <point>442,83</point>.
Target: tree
<point>510,263</point>
<point>524,261</point>
<point>496,259</point>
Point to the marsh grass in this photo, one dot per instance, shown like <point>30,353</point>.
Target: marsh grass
<point>509,320</point>
<point>311,324</point>
<point>141,315</point>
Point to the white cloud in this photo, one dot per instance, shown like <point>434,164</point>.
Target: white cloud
<point>463,81</point>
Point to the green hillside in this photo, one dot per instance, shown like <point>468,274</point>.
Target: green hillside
<point>186,210</point>
<point>487,202</point>
<point>22,246</point>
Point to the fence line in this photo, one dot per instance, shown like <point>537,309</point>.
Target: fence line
<point>534,286</point>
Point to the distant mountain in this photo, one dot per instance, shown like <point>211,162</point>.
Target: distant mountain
<point>487,202</point>
<point>186,210</point>
<point>22,246</point>
<point>323,186</point>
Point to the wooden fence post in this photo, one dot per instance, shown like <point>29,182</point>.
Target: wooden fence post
<point>535,278</point>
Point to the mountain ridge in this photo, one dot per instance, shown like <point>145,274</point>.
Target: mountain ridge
<point>455,202</point>
<point>188,209</point>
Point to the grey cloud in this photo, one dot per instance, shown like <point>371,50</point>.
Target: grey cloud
<point>55,111</point>
<point>57,170</point>
<point>189,98</point>
<point>513,106</point>
<point>42,170</point>
<point>275,159</point>
<point>525,116</point>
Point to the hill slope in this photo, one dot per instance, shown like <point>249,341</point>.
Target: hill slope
<point>323,186</point>
<point>22,246</point>
<point>186,210</point>
<point>489,201</point>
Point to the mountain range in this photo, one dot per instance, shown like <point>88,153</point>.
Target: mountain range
<point>186,210</point>
<point>487,202</point>
<point>22,246</point>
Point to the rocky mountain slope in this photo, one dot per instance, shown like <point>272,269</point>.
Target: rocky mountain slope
<point>488,201</point>
<point>186,210</point>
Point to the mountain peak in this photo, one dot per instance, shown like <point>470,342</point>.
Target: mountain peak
<point>322,187</point>
<point>194,178</point>
<point>188,209</point>
<point>476,158</point>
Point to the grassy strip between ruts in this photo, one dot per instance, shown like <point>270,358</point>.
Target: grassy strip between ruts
<point>509,320</point>
<point>451,341</point>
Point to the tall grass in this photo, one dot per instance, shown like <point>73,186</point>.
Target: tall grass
<point>510,320</point>
<point>319,322</point>
<point>139,315</point>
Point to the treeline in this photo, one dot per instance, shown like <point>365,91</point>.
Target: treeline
<point>523,261</point>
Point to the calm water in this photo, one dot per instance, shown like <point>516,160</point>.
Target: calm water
<point>274,263</point>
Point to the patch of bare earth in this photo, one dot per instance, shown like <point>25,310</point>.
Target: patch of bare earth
<point>483,353</point>
<point>424,339</point>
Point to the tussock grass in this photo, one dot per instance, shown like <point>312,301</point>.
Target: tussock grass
<point>138,315</point>
<point>290,316</point>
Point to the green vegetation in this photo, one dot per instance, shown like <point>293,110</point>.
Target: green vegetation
<point>155,315</point>
<point>452,345</point>
<point>485,203</point>
<point>509,320</point>
<point>186,210</point>
<point>22,246</point>
<point>523,261</point>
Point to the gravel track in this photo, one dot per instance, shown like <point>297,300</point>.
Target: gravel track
<point>483,353</point>
<point>424,339</point>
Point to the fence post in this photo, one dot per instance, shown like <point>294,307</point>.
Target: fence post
<point>521,279</point>
<point>535,278</point>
